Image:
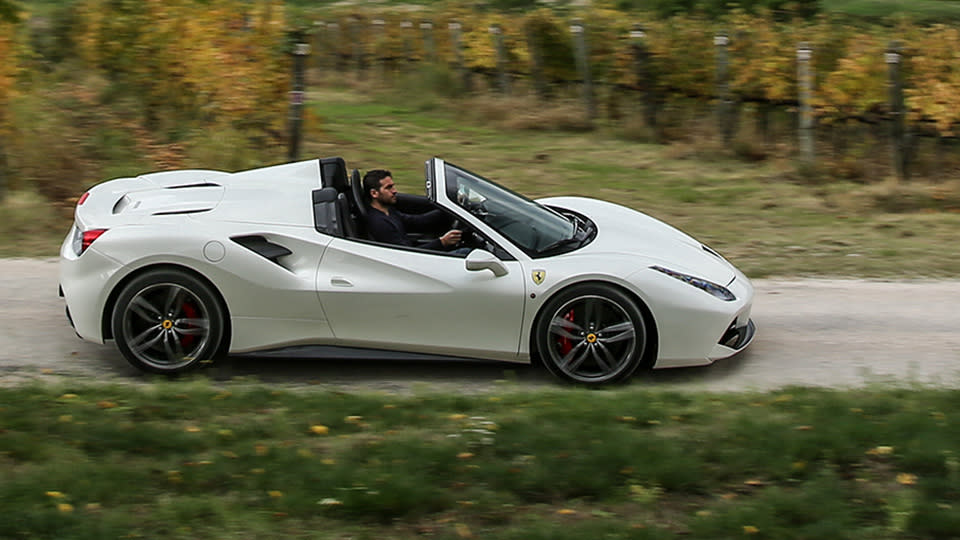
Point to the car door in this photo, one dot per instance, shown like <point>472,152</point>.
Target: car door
<point>412,300</point>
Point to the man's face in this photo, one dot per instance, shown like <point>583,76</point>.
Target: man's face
<point>387,194</point>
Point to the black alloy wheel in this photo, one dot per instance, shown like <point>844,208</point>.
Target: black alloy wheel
<point>168,321</point>
<point>591,334</point>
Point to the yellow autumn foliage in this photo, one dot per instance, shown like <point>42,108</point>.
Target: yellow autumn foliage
<point>9,66</point>
<point>205,60</point>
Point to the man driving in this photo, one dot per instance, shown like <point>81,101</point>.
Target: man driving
<point>387,224</point>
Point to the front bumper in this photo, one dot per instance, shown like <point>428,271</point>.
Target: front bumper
<point>737,338</point>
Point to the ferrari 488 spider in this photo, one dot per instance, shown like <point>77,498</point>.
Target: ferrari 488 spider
<point>181,267</point>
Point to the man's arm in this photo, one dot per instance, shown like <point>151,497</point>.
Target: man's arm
<point>426,221</point>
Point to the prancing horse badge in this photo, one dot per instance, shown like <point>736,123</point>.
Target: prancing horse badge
<point>538,276</point>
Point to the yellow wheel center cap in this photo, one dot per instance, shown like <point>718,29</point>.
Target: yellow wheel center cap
<point>167,324</point>
<point>591,338</point>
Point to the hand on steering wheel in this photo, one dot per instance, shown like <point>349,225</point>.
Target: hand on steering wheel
<point>452,238</point>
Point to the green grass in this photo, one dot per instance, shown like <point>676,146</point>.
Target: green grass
<point>188,460</point>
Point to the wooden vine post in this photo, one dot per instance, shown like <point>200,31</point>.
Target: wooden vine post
<point>429,50</point>
<point>898,132</point>
<point>536,64</point>
<point>297,97</point>
<point>405,28</point>
<point>582,52</point>
<point>805,84</point>
<point>457,44</point>
<point>724,103</point>
<point>503,81</point>
<point>644,74</point>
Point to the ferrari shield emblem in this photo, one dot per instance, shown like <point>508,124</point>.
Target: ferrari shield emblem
<point>538,276</point>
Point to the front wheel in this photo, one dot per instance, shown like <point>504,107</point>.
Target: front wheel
<point>591,334</point>
<point>168,321</point>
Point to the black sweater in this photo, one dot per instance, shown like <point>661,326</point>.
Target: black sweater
<point>392,228</point>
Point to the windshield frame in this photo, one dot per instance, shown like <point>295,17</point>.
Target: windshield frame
<point>526,224</point>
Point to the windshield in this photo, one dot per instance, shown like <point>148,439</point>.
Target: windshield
<point>531,226</point>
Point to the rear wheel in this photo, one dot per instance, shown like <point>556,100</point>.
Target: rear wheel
<point>591,334</point>
<point>168,321</point>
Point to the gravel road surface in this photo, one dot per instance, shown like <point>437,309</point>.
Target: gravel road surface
<point>837,333</point>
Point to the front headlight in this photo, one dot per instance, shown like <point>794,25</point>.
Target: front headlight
<point>719,291</point>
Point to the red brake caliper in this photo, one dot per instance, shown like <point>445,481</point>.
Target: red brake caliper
<point>191,313</point>
<point>565,344</point>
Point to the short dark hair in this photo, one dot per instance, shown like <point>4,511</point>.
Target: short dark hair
<point>371,180</point>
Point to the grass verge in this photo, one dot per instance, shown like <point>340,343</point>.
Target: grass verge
<point>188,460</point>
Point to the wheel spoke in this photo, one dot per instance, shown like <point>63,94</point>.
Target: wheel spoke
<point>565,328</point>
<point>145,310</point>
<point>171,344</point>
<point>589,310</point>
<point>173,306</point>
<point>618,332</point>
<point>146,339</point>
<point>604,357</point>
<point>191,327</point>
<point>575,357</point>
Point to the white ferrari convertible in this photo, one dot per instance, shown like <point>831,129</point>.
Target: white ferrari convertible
<point>181,267</point>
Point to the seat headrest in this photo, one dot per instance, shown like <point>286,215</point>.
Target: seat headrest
<point>356,185</point>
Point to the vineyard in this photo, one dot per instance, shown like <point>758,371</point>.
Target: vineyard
<point>893,86</point>
<point>151,84</point>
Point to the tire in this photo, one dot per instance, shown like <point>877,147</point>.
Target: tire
<point>591,334</point>
<point>168,321</point>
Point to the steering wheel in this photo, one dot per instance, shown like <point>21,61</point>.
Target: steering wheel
<point>455,225</point>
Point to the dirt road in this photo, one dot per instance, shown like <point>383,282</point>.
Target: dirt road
<point>810,332</point>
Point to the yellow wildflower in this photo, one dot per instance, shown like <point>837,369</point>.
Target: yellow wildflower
<point>906,479</point>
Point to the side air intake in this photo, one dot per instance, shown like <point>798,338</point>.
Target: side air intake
<point>263,247</point>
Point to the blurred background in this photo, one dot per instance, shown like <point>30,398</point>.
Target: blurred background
<point>854,91</point>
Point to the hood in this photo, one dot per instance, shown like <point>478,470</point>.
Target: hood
<point>627,232</point>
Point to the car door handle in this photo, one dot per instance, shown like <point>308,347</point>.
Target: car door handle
<point>340,282</point>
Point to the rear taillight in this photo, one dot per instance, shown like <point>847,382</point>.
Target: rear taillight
<point>83,198</point>
<point>83,239</point>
